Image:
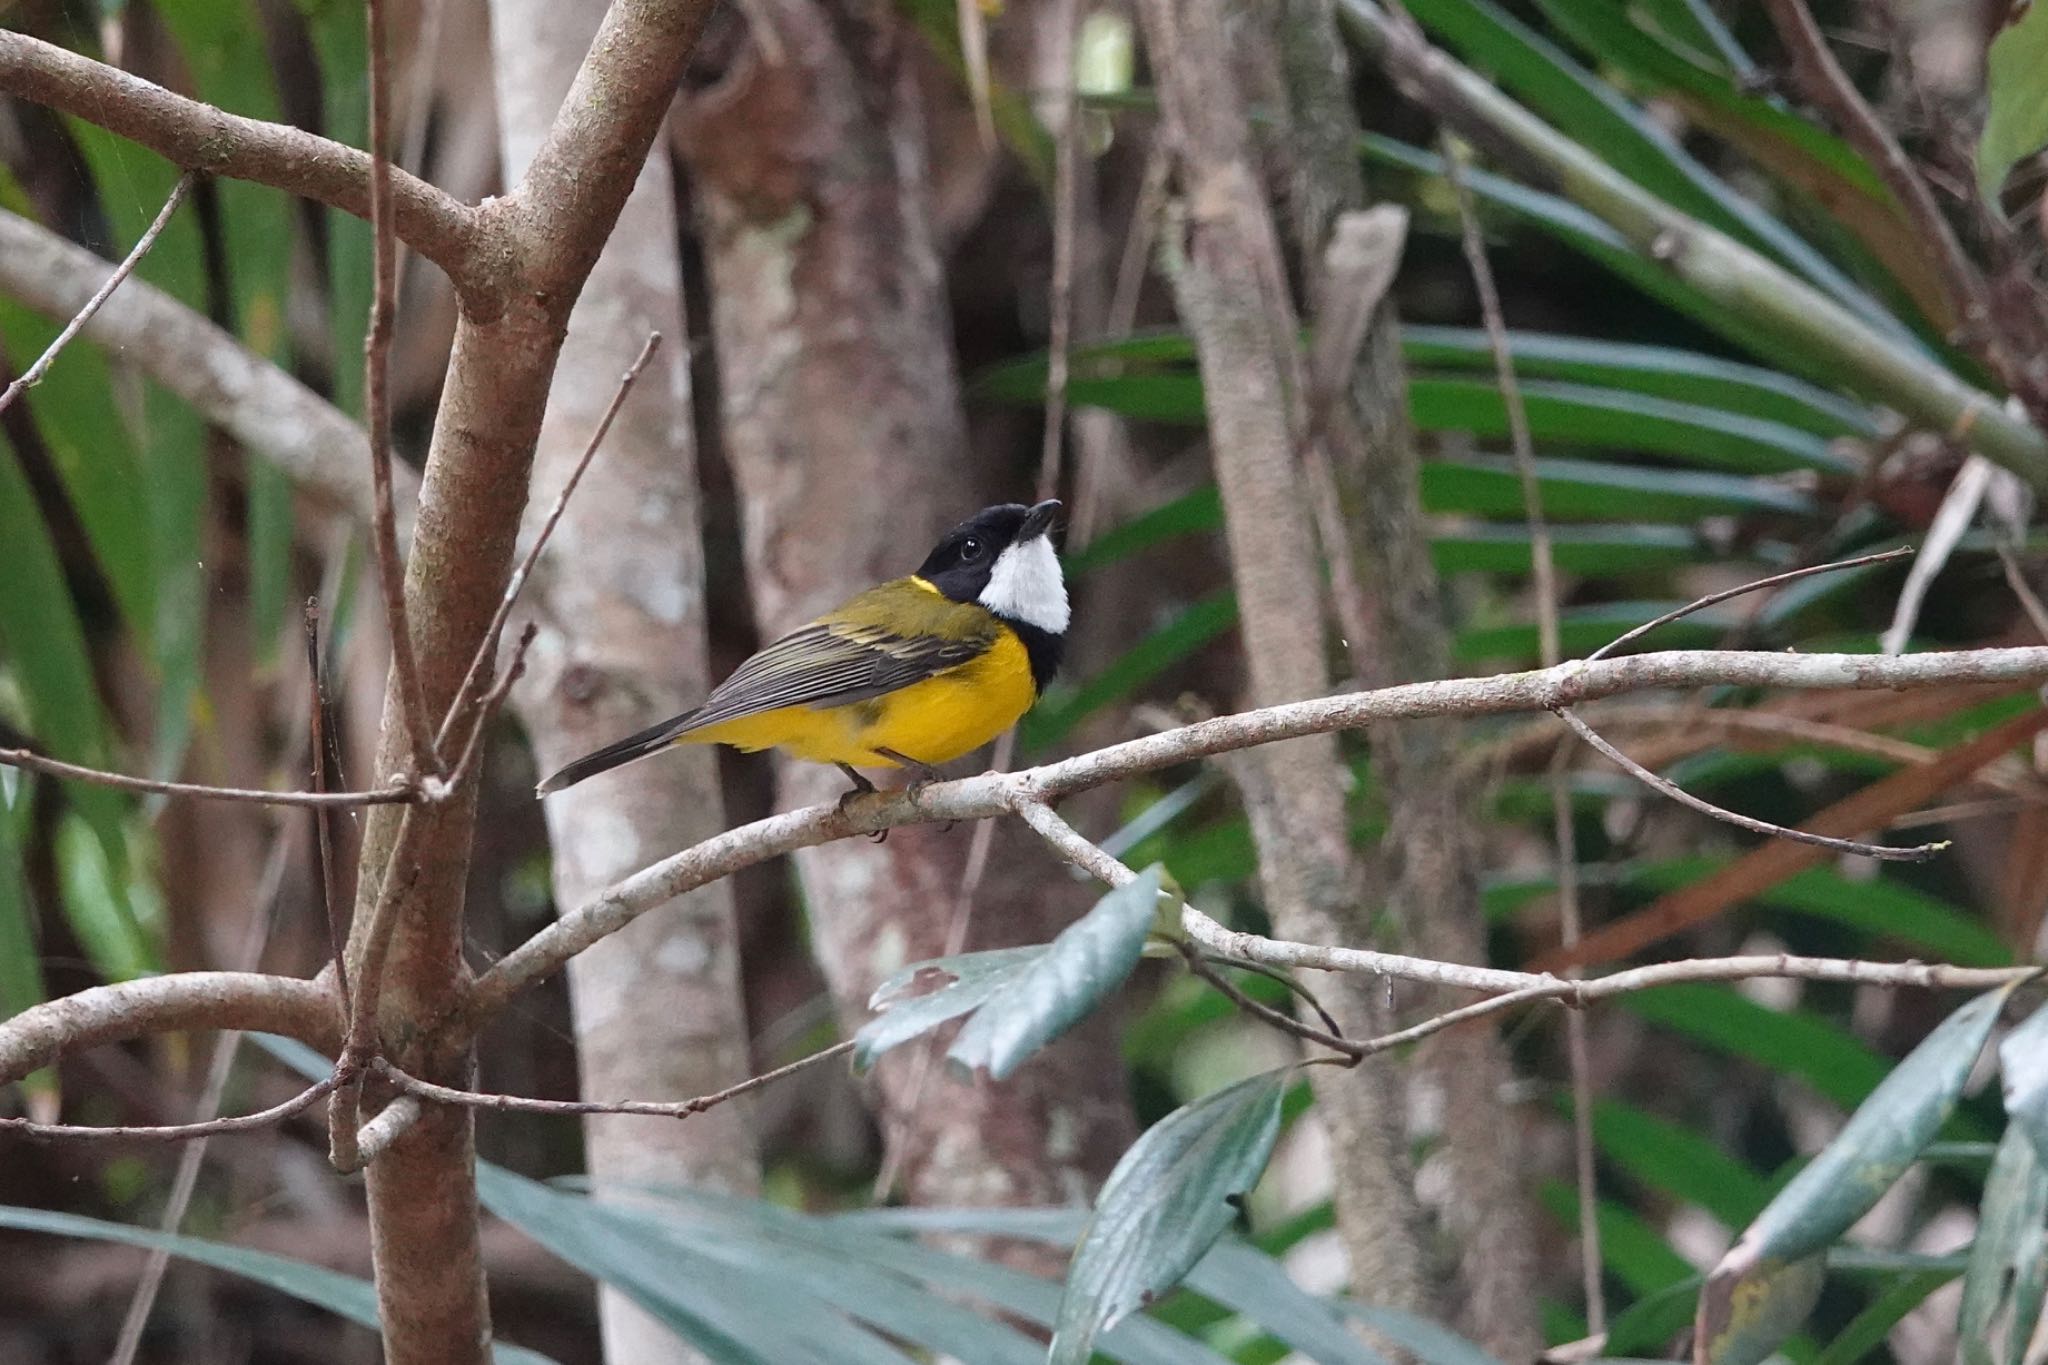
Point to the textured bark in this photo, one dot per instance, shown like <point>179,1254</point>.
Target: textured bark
<point>619,597</point>
<point>844,431</point>
<point>1431,843</point>
<point>547,233</point>
<point>1230,288</point>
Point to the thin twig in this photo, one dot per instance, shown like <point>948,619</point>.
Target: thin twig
<point>1293,987</point>
<point>394,795</point>
<point>491,702</point>
<point>1280,1019</point>
<point>33,375</point>
<point>677,1109</point>
<point>2030,601</point>
<point>392,1122</point>
<point>1915,854</point>
<point>1823,82</point>
<point>1065,19</point>
<point>487,648</point>
<point>412,698</point>
<point>176,1132</point>
<point>323,837</point>
<point>1564,831</point>
<point>1743,590</point>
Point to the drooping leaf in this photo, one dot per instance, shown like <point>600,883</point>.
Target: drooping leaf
<point>1166,1203</point>
<point>2008,1273</point>
<point>1869,1328</point>
<point>2016,82</point>
<point>1677,1161</point>
<point>343,1295</point>
<point>975,976</point>
<point>21,969</point>
<point>1428,1342</point>
<point>1830,1060</point>
<point>1085,962</point>
<point>1754,1291</point>
<point>1249,1282</point>
<point>727,1314</point>
<point>2023,1069</point>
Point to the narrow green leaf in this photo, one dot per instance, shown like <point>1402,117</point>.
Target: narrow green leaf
<point>1677,1161</point>
<point>2023,1068</point>
<point>1656,371</point>
<point>1654,1319</point>
<point>97,903</point>
<point>1587,490</point>
<point>1594,551</point>
<point>21,969</point>
<point>1583,415</point>
<point>340,43</point>
<point>343,1295</point>
<point>728,1315</point>
<point>975,976</point>
<point>1797,1044</point>
<point>1869,1328</point>
<point>1583,629</point>
<point>1166,1203</point>
<point>2008,1272</point>
<point>1251,1283</point>
<point>1085,962</point>
<point>2016,81</point>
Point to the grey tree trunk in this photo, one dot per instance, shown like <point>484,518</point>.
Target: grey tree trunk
<point>619,597</point>
<point>844,431</point>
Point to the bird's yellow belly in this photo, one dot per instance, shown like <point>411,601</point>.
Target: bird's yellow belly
<point>934,721</point>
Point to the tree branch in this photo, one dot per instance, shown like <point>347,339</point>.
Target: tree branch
<point>37,763</point>
<point>177,1132</point>
<point>254,1002</point>
<point>200,137</point>
<point>237,390</point>
<point>677,1109</point>
<point>991,794</point>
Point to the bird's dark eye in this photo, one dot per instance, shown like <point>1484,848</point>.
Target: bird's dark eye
<point>970,549</point>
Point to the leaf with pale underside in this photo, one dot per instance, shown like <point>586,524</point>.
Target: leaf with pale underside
<point>2023,1068</point>
<point>2008,1270</point>
<point>1166,1203</point>
<point>1087,960</point>
<point>974,977</point>
<point>1763,1287</point>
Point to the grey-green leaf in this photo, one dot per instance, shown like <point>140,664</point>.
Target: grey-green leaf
<point>2016,80</point>
<point>1165,1205</point>
<point>975,977</point>
<point>2008,1272</point>
<point>2023,1066</point>
<point>1089,959</point>
<point>343,1295</point>
<point>1757,1288</point>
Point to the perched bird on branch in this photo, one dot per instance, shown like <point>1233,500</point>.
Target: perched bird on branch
<point>910,674</point>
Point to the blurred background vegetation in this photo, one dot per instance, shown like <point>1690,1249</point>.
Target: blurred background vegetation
<point>152,570</point>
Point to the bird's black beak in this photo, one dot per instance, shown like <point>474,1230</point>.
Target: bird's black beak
<point>1038,520</point>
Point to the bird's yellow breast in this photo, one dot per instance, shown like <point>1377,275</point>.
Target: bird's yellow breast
<point>933,721</point>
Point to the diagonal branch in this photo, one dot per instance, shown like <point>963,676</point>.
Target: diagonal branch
<point>36,763</point>
<point>200,137</point>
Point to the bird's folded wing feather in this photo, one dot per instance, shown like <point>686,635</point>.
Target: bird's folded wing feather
<point>836,661</point>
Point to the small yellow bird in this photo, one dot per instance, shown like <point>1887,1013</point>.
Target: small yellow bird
<point>910,674</point>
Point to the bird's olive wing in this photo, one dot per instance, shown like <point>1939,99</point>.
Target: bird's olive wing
<point>832,663</point>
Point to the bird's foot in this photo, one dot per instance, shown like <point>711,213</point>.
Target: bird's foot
<point>861,787</point>
<point>926,775</point>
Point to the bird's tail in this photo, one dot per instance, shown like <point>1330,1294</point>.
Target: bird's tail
<point>651,740</point>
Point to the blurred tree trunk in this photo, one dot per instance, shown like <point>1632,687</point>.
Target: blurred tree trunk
<point>843,427</point>
<point>1431,846</point>
<point>620,599</point>
<point>1224,260</point>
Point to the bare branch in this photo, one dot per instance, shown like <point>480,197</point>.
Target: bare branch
<point>411,698</point>
<point>492,700</point>
<point>1918,853</point>
<point>200,137</point>
<point>251,1001</point>
<point>1743,590</point>
<point>480,662</point>
<point>33,762</point>
<point>1824,84</point>
<point>991,794</point>
<point>176,1132</point>
<point>679,1109</point>
<point>33,375</point>
<point>393,1121</point>
<point>245,395</point>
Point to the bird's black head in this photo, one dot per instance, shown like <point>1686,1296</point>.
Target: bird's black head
<point>1002,558</point>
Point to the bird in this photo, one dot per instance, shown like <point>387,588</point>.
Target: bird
<point>908,675</point>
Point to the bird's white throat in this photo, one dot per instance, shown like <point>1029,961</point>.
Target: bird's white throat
<point>1026,586</point>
